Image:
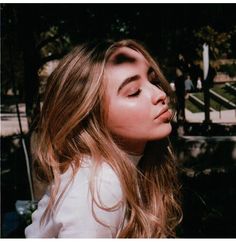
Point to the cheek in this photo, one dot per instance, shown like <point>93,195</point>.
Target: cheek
<point>127,115</point>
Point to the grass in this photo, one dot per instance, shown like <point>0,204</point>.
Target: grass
<point>221,90</point>
<point>192,107</point>
<point>233,84</point>
<point>214,104</point>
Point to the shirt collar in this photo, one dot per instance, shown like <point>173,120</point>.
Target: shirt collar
<point>135,158</point>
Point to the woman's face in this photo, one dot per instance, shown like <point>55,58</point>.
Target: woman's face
<point>137,107</point>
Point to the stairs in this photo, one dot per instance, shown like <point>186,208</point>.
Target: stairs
<point>222,97</point>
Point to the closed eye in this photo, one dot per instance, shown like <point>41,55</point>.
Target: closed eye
<point>135,94</point>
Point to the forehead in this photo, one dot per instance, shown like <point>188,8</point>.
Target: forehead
<point>124,63</point>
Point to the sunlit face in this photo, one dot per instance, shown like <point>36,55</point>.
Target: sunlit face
<point>137,107</point>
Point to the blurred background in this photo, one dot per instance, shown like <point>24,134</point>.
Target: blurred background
<point>34,37</point>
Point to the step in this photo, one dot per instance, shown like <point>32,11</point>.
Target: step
<point>230,87</point>
<point>199,102</point>
<point>222,99</point>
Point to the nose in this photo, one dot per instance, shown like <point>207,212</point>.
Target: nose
<point>158,96</point>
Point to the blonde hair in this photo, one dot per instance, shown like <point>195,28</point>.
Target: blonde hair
<point>73,124</point>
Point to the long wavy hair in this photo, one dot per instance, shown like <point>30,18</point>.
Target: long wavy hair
<point>73,124</point>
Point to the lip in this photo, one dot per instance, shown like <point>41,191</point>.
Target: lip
<point>163,110</point>
<point>164,114</point>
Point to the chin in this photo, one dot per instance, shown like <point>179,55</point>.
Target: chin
<point>162,131</point>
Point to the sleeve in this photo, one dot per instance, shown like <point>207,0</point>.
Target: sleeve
<point>46,230</point>
<point>78,217</point>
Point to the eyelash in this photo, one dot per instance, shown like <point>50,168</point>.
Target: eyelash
<point>155,82</point>
<point>136,93</point>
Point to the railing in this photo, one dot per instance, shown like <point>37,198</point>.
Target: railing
<point>220,98</point>
<point>229,86</point>
<point>198,102</point>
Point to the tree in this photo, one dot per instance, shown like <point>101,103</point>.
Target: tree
<point>219,42</point>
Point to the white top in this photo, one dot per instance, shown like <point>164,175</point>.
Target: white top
<point>73,217</point>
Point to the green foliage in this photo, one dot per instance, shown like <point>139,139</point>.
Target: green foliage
<point>120,27</point>
<point>229,69</point>
<point>219,43</point>
<point>55,42</point>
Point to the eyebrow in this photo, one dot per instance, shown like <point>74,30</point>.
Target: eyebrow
<point>127,81</point>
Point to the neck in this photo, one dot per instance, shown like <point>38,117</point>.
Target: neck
<point>130,146</point>
<point>134,147</point>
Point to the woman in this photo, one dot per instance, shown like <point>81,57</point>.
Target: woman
<point>102,146</point>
